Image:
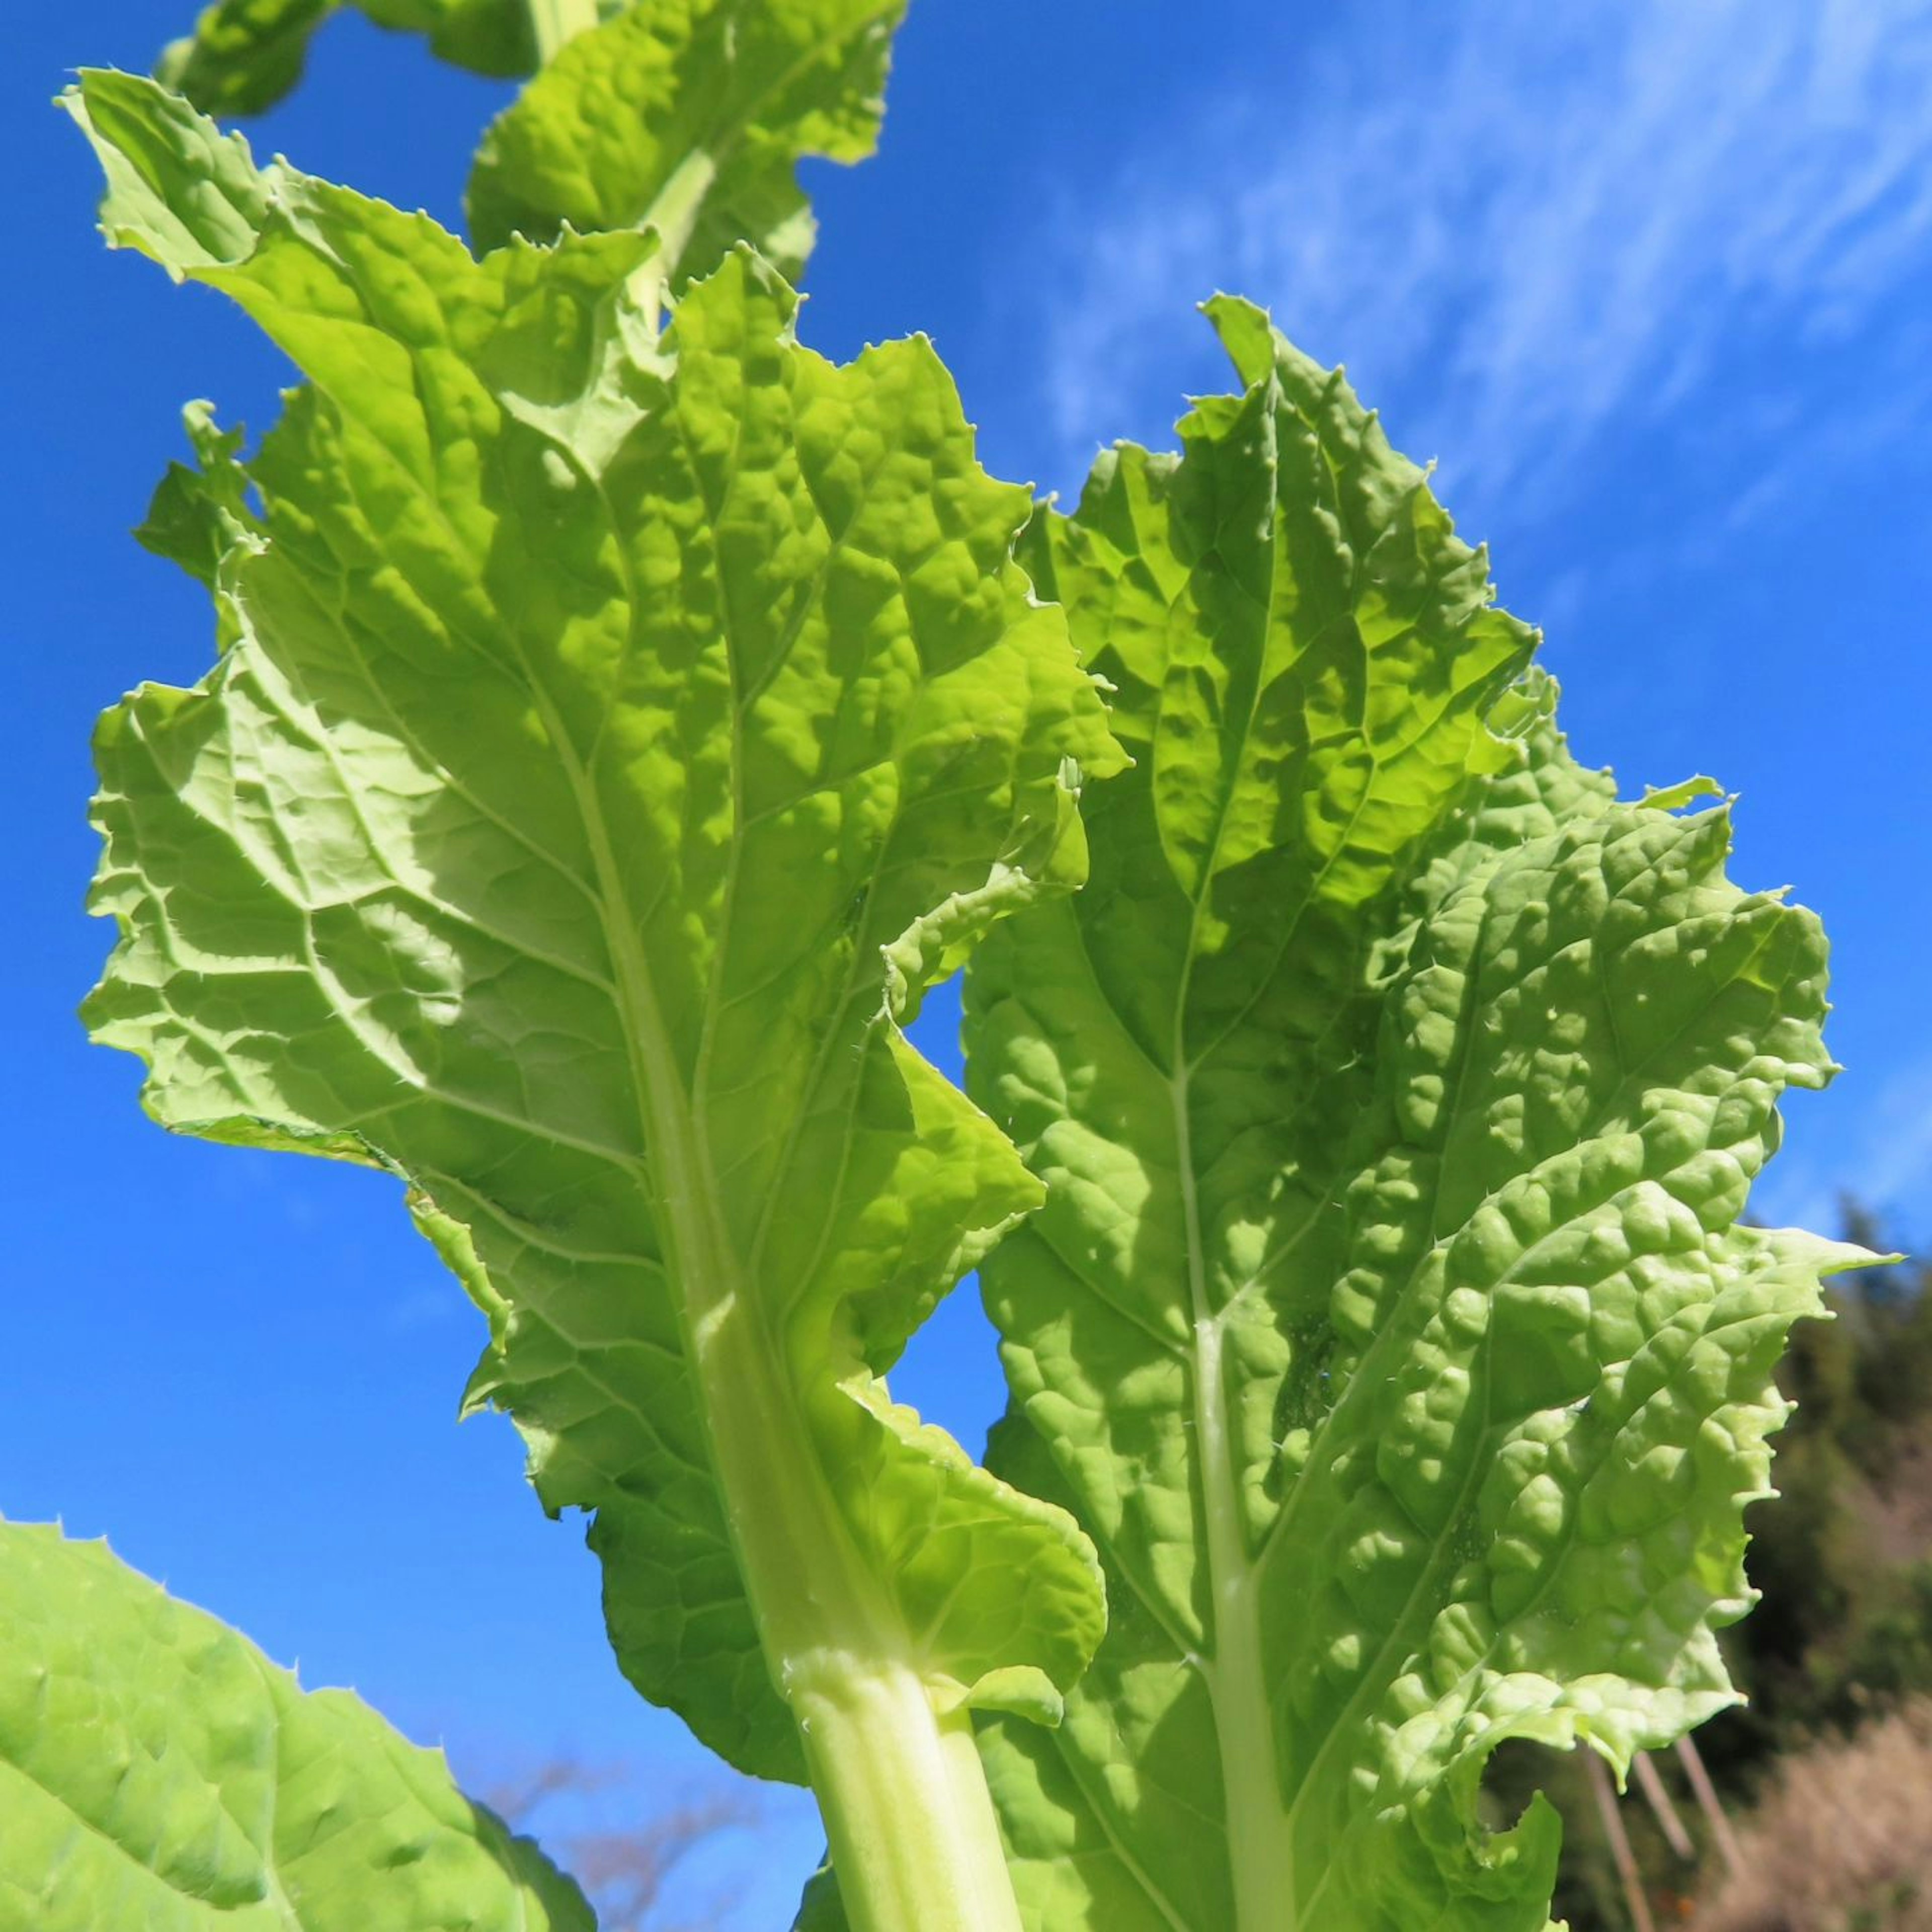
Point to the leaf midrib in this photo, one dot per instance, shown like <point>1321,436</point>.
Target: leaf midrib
<point>1233,1673</point>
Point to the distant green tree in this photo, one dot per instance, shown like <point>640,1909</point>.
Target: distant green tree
<point>1844,1554</point>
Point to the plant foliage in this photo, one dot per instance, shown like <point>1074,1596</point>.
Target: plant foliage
<point>156,1771</point>
<point>623,716</point>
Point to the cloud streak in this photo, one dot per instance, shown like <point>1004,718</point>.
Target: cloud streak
<point>1880,1157</point>
<point>1528,228</point>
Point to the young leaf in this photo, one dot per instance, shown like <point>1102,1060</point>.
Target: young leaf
<point>245,55</point>
<point>1388,1324</point>
<point>198,515</point>
<point>620,733</point>
<point>158,1771</point>
<point>690,115</point>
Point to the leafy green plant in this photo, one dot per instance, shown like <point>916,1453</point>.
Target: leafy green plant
<point>623,717</point>
<point>159,1771</point>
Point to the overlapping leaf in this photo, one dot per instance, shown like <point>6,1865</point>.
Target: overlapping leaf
<point>617,735</point>
<point>156,1771</point>
<point>693,114</point>
<point>1388,1323</point>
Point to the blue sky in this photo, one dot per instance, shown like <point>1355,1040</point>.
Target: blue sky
<point>1653,284</point>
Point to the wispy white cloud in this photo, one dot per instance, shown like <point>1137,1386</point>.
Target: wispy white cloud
<point>1879,1154</point>
<point>1526,226</point>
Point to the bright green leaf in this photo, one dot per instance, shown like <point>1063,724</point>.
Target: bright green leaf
<point>198,515</point>
<point>245,55</point>
<point>820,1910</point>
<point>691,114</point>
<point>1389,1324</point>
<point>158,1771</point>
<point>619,733</point>
<point>1689,791</point>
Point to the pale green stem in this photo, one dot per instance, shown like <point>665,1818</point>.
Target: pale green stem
<point>681,200</point>
<point>674,215</point>
<point>1261,1846</point>
<point>907,1809</point>
<point>1260,1843</point>
<point>907,1815</point>
<point>554,22</point>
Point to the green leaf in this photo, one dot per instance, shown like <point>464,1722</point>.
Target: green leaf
<point>147,153</point>
<point>245,55</point>
<point>690,115</point>
<point>1397,1091</point>
<point>198,515</point>
<point>1689,791</point>
<point>158,1771</point>
<point>619,733</point>
<point>820,1910</point>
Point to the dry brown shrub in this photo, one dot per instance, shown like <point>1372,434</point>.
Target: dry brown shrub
<point>623,1871</point>
<point>1842,1840</point>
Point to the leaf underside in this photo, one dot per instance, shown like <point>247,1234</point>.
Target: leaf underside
<point>616,734</point>
<point>1396,1090</point>
<point>156,1771</point>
